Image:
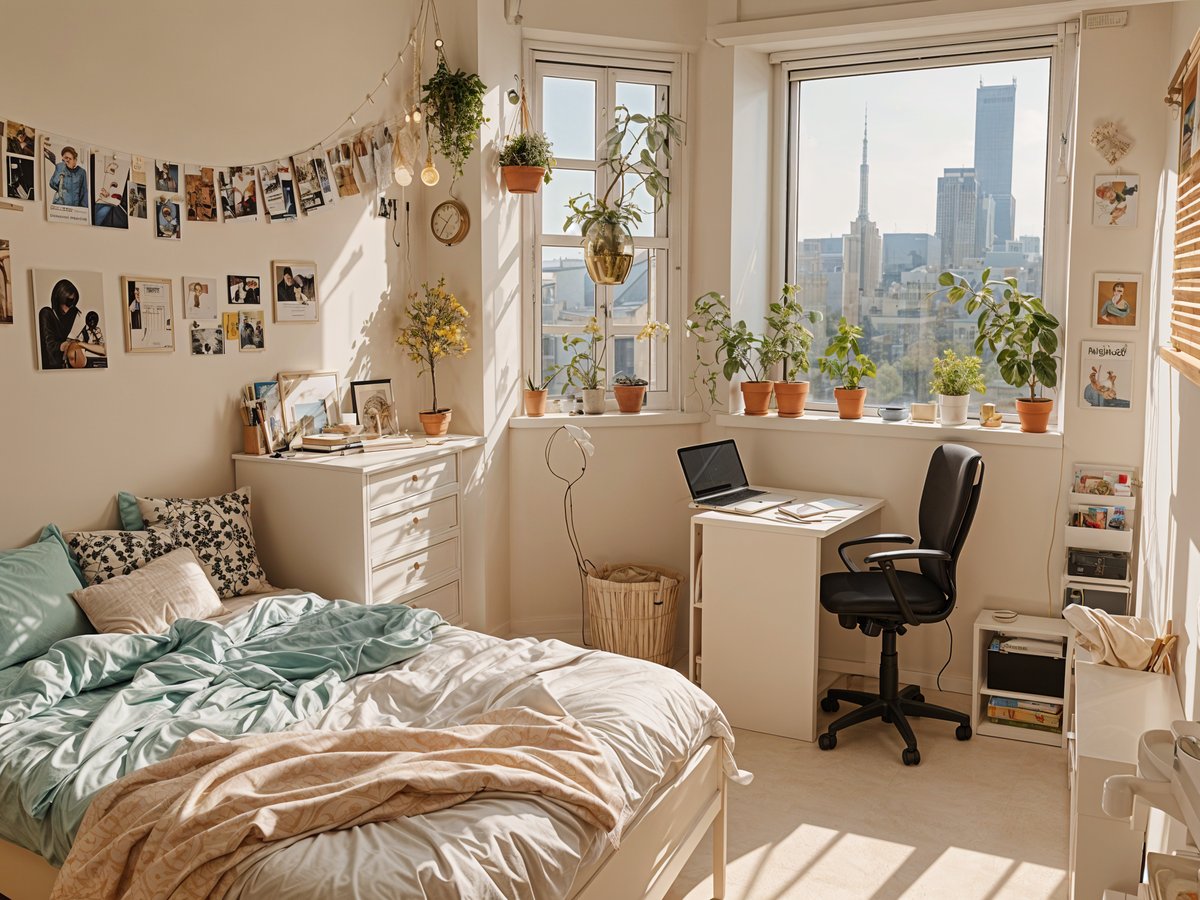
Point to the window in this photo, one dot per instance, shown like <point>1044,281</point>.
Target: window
<point>574,103</point>
<point>905,166</point>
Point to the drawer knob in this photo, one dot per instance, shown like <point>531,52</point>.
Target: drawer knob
<point>415,478</point>
<point>416,520</point>
<point>416,565</point>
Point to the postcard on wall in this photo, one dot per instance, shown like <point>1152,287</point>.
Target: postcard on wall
<point>110,186</point>
<point>65,180</point>
<point>307,184</point>
<point>70,319</point>
<point>6,294</point>
<point>1106,374</point>
<point>324,178</point>
<point>278,190</point>
<point>1115,201</point>
<point>166,177</point>
<point>239,193</point>
<point>20,147</point>
<point>200,298</point>
<point>251,330</point>
<point>361,147</point>
<point>149,316</point>
<point>268,393</point>
<point>166,217</point>
<point>342,163</point>
<point>244,289</point>
<point>138,201</point>
<point>1188,123</point>
<point>1116,299</point>
<point>382,150</point>
<point>295,291</point>
<point>207,338</point>
<point>200,193</point>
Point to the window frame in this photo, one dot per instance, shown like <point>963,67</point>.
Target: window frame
<point>567,60</point>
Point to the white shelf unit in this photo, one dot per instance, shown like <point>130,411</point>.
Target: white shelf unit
<point>1105,539</point>
<point>986,628</point>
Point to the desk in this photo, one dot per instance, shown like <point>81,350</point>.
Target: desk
<point>755,612</point>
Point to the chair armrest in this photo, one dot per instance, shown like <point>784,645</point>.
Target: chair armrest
<point>887,562</point>
<point>873,539</point>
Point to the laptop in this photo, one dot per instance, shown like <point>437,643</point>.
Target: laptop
<point>717,480</point>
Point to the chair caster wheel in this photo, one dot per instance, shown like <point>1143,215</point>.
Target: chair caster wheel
<point>911,757</point>
<point>886,717</point>
<point>963,732</point>
<point>827,741</point>
<point>919,697</point>
<point>829,704</point>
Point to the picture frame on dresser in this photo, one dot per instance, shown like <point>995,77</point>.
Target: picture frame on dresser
<point>374,404</point>
<point>310,401</point>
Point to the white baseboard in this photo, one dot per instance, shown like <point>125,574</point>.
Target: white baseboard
<point>955,684</point>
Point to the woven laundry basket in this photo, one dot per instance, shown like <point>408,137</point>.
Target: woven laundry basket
<point>632,610</point>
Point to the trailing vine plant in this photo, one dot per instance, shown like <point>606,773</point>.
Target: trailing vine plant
<point>453,103</point>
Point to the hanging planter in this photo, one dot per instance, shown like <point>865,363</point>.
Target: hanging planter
<point>608,251</point>
<point>526,160</point>
<point>453,104</point>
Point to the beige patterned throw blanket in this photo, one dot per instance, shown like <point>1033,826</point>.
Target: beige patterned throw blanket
<point>187,826</point>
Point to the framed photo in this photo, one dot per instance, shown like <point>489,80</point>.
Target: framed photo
<point>244,290</point>
<point>1115,300</point>
<point>245,329</point>
<point>149,314</point>
<point>294,282</point>
<point>309,401</point>
<point>268,392</point>
<point>1115,201</point>
<point>1106,375</point>
<point>200,298</point>
<point>64,179</point>
<point>206,338</point>
<point>6,295</point>
<point>374,404</point>
<point>70,319</point>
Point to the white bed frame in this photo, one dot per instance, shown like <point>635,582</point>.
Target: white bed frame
<point>653,849</point>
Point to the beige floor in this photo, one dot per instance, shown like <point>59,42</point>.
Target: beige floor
<point>986,818</point>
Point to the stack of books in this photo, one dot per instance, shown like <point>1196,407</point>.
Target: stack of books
<point>330,444</point>
<point>1033,714</point>
<point>372,442</point>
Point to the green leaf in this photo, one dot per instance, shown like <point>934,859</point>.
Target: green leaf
<point>946,279</point>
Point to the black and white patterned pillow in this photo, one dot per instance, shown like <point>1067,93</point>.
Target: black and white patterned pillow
<point>218,531</point>
<point>106,554</point>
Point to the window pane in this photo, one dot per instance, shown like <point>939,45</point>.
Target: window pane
<point>638,99</point>
<point>637,301</point>
<point>568,294</point>
<point>645,203</point>
<point>554,356</point>
<point>565,184</point>
<point>569,116</point>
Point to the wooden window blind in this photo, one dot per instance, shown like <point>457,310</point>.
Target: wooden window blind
<point>1183,352</point>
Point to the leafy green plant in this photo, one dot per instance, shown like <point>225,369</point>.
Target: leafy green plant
<point>453,104</point>
<point>529,148</point>
<point>844,363</point>
<point>957,376</point>
<point>1015,326</point>
<point>531,385</point>
<point>736,349</point>
<point>787,338</point>
<point>584,369</point>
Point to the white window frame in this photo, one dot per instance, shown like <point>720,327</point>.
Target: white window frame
<point>1058,43</point>
<point>635,66</point>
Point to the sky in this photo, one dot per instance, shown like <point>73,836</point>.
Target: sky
<point>920,123</point>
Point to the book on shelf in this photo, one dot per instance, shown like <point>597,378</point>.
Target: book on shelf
<point>1036,705</point>
<point>1029,716</point>
<point>1032,726</point>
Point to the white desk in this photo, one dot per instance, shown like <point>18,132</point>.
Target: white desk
<point>755,612</point>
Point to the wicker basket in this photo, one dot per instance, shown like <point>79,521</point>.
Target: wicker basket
<point>632,610</point>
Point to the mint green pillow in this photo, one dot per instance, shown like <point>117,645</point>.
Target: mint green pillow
<point>36,609</point>
<point>131,516</point>
<point>52,532</point>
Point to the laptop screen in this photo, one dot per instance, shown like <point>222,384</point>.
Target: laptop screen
<point>712,468</point>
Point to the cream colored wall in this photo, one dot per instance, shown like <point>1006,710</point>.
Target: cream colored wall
<point>218,83</point>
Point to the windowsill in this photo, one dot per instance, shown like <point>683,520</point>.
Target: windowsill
<point>610,419</point>
<point>829,423</point>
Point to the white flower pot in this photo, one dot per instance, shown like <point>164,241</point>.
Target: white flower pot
<point>593,402</point>
<point>953,410</point>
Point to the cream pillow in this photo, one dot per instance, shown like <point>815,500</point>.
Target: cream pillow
<point>149,599</point>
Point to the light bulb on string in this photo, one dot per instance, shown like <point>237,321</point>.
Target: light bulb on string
<point>408,117</point>
<point>416,116</point>
<point>401,168</point>
<point>430,175</point>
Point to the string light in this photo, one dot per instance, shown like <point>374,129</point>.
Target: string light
<point>416,116</point>
<point>430,175</point>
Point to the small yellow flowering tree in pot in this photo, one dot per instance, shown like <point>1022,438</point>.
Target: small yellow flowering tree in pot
<point>436,330</point>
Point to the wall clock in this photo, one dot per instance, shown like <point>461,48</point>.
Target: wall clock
<point>450,222</point>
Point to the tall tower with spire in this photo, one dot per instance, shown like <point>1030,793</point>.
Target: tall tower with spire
<point>864,175</point>
<point>862,249</point>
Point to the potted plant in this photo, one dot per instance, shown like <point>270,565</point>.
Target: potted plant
<point>535,393</point>
<point>738,350</point>
<point>453,103</point>
<point>846,366</point>
<point>1022,334</point>
<point>790,340</point>
<point>436,330</point>
<point>630,390</point>
<point>954,377</point>
<point>633,148</point>
<point>585,368</point>
<point>526,162</point>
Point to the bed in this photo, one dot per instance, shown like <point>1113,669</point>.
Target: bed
<point>667,742</point>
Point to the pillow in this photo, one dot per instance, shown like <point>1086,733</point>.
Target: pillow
<point>52,532</point>
<point>219,532</point>
<point>106,554</point>
<point>149,599</point>
<point>36,608</point>
<point>131,516</point>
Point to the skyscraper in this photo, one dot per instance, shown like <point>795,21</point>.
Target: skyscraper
<point>862,249</point>
<point>957,207</point>
<point>995,117</point>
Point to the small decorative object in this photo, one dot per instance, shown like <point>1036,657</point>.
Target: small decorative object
<point>1022,334</point>
<point>1106,375</point>
<point>430,176</point>
<point>845,362</point>
<point>630,392</point>
<point>453,104</point>
<point>149,314</point>
<point>737,351</point>
<point>954,378</point>
<point>526,159</point>
<point>1115,201</point>
<point>585,368</point>
<point>633,147</point>
<point>309,401</point>
<point>70,319</point>
<point>892,413</point>
<point>267,393</point>
<point>988,417</point>
<point>923,412</point>
<point>788,338</point>
<point>450,222</point>
<point>535,394</point>
<point>436,330</point>
<point>200,300</point>
<point>295,283</point>
<point>374,405</point>
<point>1110,142</point>
<point>1116,299</point>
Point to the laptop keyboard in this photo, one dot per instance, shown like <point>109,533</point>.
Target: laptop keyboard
<point>735,497</point>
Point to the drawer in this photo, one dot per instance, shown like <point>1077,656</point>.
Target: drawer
<point>446,601</point>
<point>420,523</point>
<point>400,484</point>
<point>393,579</point>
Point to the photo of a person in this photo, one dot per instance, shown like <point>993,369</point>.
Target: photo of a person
<point>65,180</point>
<point>250,332</point>
<point>19,139</point>
<point>91,333</point>
<point>167,218</point>
<point>110,178</point>
<point>1107,375</point>
<point>239,193</point>
<point>296,293</point>
<point>285,290</point>
<point>166,177</point>
<point>135,307</point>
<point>1115,201</point>
<point>243,289</point>
<point>6,298</point>
<point>19,181</point>
<point>69,180</point>
<point>71,320</point>
<point>1116,299</point>
<point>199,298</point>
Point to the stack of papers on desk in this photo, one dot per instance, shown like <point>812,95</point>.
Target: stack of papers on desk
<point>814,508</point>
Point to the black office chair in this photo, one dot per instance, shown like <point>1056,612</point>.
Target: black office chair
<point>886,600</point>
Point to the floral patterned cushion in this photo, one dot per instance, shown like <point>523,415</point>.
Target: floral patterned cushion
<point>218,531</point>
<point>106,554</point>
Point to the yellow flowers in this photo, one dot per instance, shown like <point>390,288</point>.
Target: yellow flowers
<point>436,329</point>
<point>593,328</point>
<point>653,329</point>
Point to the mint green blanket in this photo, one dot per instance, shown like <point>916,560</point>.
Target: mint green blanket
<point>98,706</point>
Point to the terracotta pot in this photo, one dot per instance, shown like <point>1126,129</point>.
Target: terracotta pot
<point>535,403</point>
<point>952,408</point>
<point>594,401</point>
<point>757,396</point>
<point>522,179</point>
<point>790,397</point>
<point>1035,414</point>
<point>630,397</point>
<point>850,402</point>
<point>437,423</point>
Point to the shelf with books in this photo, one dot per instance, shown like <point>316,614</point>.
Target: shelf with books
<point>1098,538</point>
<point>1018,695</point>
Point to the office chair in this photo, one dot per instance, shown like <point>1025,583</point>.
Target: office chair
<point>886,601</point>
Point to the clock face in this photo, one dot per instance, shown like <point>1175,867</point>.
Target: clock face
<point>450,222</point>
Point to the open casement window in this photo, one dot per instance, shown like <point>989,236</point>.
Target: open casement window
<point>1183,352</point>
<point>574,103</point>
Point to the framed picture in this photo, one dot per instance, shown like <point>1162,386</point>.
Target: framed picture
<point>1115,201</point>
<point>1115,299</point>
<point>6,297</point>
<point>268,393</point>
<point>374,404</point>
<point>1106,375</point>
<point>309,401</point>
<point>206,338</point>
<point>149,314</point>
<point>200,298</point>
<point>244,290</point>
<point>70,319</point>
<point>295,290</point>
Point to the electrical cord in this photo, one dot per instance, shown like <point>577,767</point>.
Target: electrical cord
<point>949,656</point>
